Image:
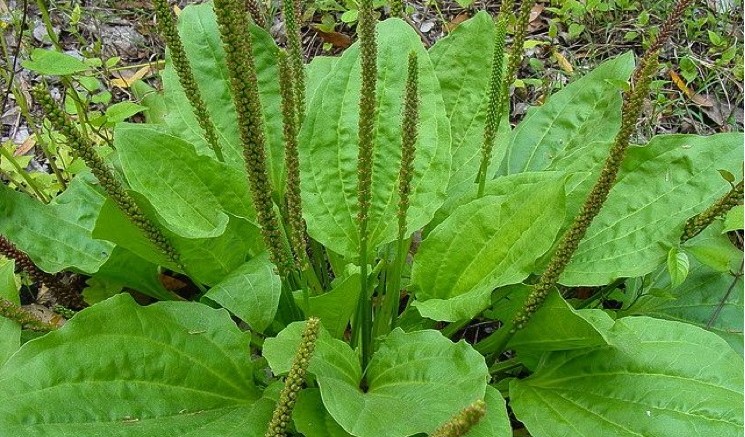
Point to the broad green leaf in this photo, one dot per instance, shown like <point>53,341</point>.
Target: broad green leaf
<point>152,100</point>
<point>657,377</point>
<point>316,72</point>
<point>167,369</point>
<point>734,219</point>
<point>462,61</point>
<point>484,244</point>
<point>125,269</point>
<point>201,39</point>
<point>659,187</point>
<point>331,356</point>
<point>419,371</point>
<point>54,63</point>
<point>586,110</point>
<point>191,193</point>
<point>251,292</point>
<point>10,331</point>
<point>336,306</point>
<point>677,266</point>
<point>121,111</point>
<point>496,422</point>
<point>57,236</point>
<point>714,249</point>
<point>557,326</point>
<point>208,260</point>
<point>311,418</point>
<point>709,299</point>
<point>328,150</point>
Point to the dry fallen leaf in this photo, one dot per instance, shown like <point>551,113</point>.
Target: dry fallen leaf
<point>449,27</point>
<point>336,39</point>
<point>699,99</point>
<point>563,62</point>
<point>125,79</point>
<point>534,23</point>
<point>27,145</point>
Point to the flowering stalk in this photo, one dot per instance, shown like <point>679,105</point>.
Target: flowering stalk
<point>462,422</point>
<point>409,135</point>
<point>244,83</point>
<point>295,380</point>
<point>63,293</point>
<point>368,59</point>
<point>630,112</point>
<point>397,8</point>
<point>495,106</point>
<point>256,11</point>
<point>105,175</point>
<point>167,27</point>
<point>695,225</point>
<point>291,14</point>
<point>24,318</point>
<point>292,163</point>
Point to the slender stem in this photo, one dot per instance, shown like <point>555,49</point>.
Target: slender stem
<point>26,177</point>
<point>603,292</point>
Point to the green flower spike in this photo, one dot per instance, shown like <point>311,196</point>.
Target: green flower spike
<point>397,8</point>
<point>630,111</point>
<point>410,132</point>
<point>167,27</point>
<point>11,311</point>
<point>695,225</point>
<point>295,380</point>
<point>292,163</point>
<point>462,422</point>
<point>244,83</point>
<point>257,12</point>
<point>495,106</point>
<point>63,293</point>
<point>105,175</point>
<point>369,71</point>
<point>291,14</point>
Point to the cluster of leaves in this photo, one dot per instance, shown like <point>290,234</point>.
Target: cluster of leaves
<point>666,361</point>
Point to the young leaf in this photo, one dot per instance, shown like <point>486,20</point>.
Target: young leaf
<point>656,378</point>
<point>431,374</point>
<point>677,266</point>
<point>641,220</point>
<point>168,369</point>
<point>251,292</point>
<point>586,110</point>
<point>734,219</point>
<point>487,243</point>
<point>72,215</point>
<point>328,152</point>
<point>54,63</point>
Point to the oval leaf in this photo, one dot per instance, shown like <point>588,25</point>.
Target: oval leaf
<point>657,378</point>
<point>586,110</point>
<point>192,193</point>
<point>460,61</point>
<point>641,220</point>
<point>166,369</point>
<point>484,244</point>
<point>328,146</point>
<point>251,292</point>
<point>72,215</point>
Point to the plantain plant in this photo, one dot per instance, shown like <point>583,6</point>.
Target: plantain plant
<point>366,247</point>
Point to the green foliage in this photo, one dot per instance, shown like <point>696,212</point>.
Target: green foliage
<point>642,335</point>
